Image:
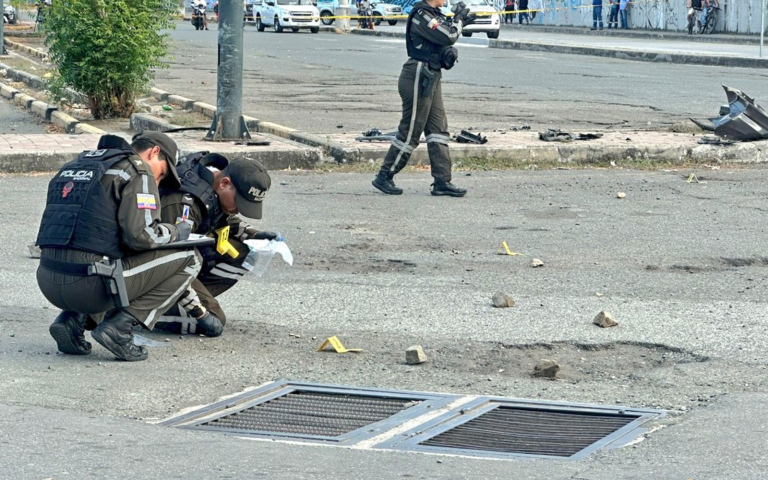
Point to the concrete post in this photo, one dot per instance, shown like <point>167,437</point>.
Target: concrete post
<point>228,123</point>
<point>2,31</point>
<point>762,26</point>
<point>344,11</point>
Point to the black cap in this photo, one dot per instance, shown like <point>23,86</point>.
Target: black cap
<point>251,182</point>
<point>169,150</point>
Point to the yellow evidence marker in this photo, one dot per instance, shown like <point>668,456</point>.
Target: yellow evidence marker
<point>222,243</point>
<point>336,344</point>
<point>504,250</point>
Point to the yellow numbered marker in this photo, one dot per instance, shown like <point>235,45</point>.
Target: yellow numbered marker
<point>222,244</point>
<point>504,250</point>
<point>336,344</point>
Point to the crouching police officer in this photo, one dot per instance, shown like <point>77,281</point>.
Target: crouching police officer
<point>428,39</point>
<point>213,191</point>
<point>100,235</point>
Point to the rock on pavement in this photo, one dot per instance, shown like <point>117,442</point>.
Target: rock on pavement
<point>502,300</point>
<point>605,320</point>
<point>415,355</point>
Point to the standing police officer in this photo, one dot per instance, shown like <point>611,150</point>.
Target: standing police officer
<point>99,237</point>
<point>213,191</point>
<point>428,39</point>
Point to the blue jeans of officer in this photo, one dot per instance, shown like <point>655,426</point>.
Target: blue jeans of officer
<point>597,16</point>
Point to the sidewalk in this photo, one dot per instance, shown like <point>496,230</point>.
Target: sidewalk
<point>739,39</point>
<point>48,152</point>
<point>671,49</point>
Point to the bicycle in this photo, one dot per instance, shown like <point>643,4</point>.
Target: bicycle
<point>710,22</point>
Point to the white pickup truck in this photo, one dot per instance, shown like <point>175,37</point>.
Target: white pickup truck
<point>282,14</point>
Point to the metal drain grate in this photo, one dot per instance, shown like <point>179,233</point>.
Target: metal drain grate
<point>508,428</point>
<point>312,413</point>
<point>531,432</point>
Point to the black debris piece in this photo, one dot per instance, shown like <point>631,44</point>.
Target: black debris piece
<point>555,135</point>
<point>375,135</point>
<point>467,137</point>
<point>589,136</point>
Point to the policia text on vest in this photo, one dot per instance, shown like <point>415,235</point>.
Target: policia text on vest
<point>102,213</point>
<point>429,36</point>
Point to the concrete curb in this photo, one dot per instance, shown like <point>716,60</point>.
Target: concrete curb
<point>622,54</point>
<point>44,110</point>
<point>184,102</point>
<point>48,112</point>
<point>160,95</point>
<point>62,120</point>
<point>146,122</point>
<point>39,83</point>
<point>26,48</point>
<point>626,54</point>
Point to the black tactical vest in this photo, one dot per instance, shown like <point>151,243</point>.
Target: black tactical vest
<point>197,181</point>
<point>430,54</point>
<point>79,214</point>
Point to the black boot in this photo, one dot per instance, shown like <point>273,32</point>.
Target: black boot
<point>115,334</point>
<point>209,325</point>
<point>383,182</point>
<point>447,188</point>
<point>68,330</point>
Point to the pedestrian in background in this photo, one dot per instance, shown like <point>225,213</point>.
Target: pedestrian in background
<point>613,19</point>
<point>623,5</point>
<point>523,11</point>
<point>535,6</point>
<point>509,7</point>
<point>597,14</point>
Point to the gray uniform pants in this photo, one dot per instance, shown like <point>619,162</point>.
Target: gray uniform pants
<point>420,114</point>
<point>154,279</point>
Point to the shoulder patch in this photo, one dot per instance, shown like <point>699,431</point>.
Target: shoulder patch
<point>146,201</point>
<point>187,199</point>
<point>433,24</point>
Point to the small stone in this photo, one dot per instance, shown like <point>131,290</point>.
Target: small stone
<point>502,300</point>
<point>621,195</point>
<point>536,263</point>
<point>13,335</point>
<point>415,355</point>
<point>34,251</point>
<point>598,294</point>
<point>546,368</point>
<point>605,320</point>
<point>167,339</point>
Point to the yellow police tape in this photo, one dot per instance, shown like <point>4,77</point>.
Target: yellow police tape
<point>479,14</point>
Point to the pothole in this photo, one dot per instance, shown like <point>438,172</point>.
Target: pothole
<point>579,362</point>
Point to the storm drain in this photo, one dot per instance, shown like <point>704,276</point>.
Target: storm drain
<point>531,432</point>
<point>497,427</point>
<point>311,412</point>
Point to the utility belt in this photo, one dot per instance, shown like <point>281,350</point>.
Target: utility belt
<point>445,59</point>
<point>111,270</point>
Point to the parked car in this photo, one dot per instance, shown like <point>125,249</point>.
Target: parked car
<point>249,6</point>
<point>10,14</point>
<point>488,24</point>
<point>381,11</point>
<point>282,14</point>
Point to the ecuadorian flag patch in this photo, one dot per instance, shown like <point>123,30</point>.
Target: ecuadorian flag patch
<point>433,24</point>
<point>146,201</point>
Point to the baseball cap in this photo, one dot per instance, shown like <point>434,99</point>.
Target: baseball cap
<point>169,150</point>
<point>251,182</point>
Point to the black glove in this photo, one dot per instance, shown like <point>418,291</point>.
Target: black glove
<point>457,7</point>
<point>470,18</point>
<point>267,236</point>
<point>183,229</point>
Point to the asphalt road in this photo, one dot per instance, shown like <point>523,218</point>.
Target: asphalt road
<point>681,265</point>
<point>317,83</point>
<point>14,120</point>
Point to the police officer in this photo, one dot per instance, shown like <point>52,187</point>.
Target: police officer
<point>428,39</point>
<point>102,215</point>
<point>213,191</point>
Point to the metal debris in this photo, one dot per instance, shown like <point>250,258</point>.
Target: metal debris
<point>467,137</point>
<point>744,120</point>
